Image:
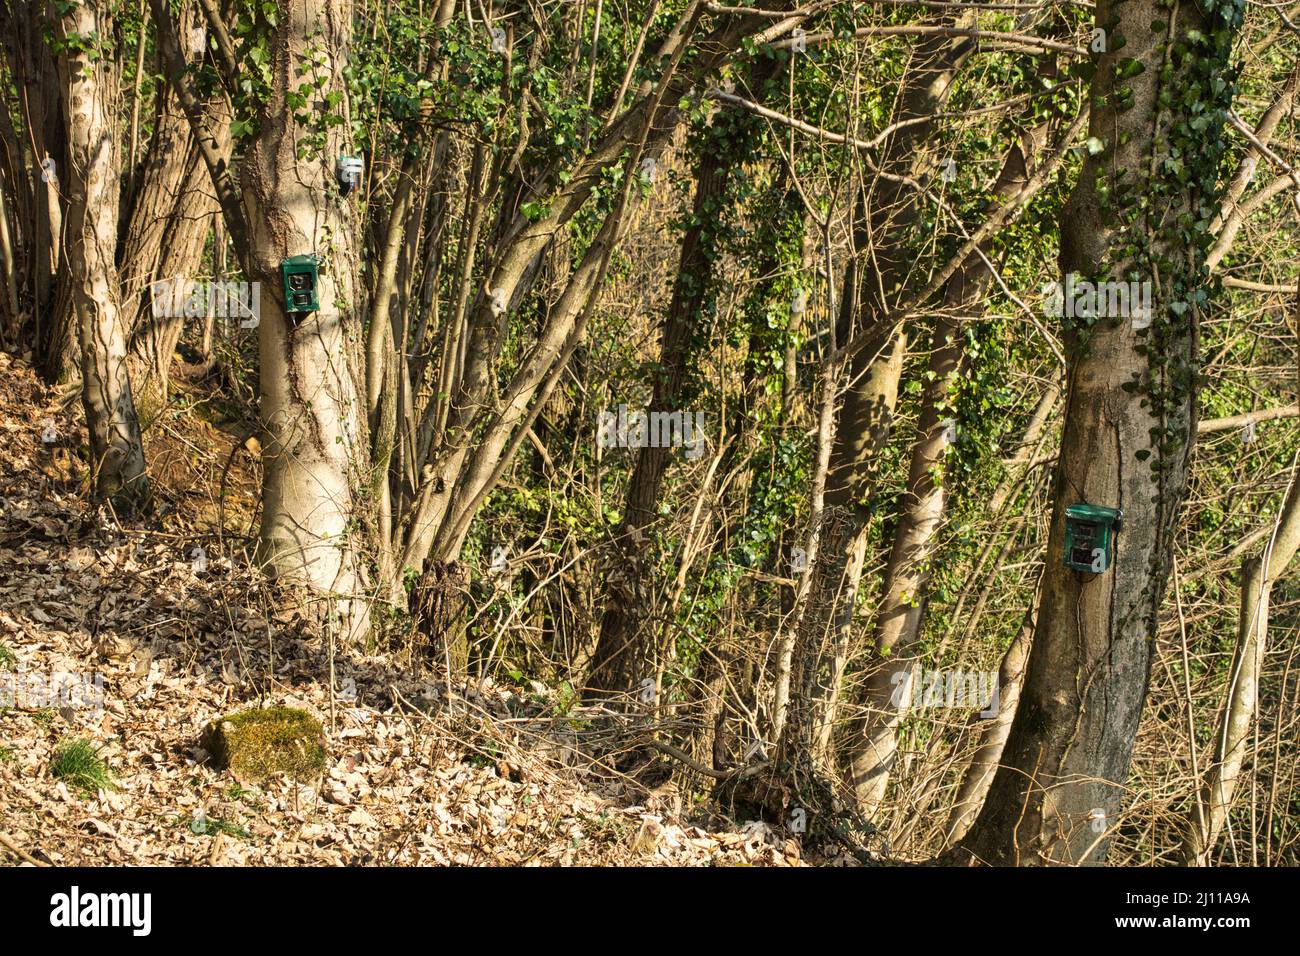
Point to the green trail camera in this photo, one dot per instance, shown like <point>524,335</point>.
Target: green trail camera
<point>1090,536</point>
<point>301,283</point>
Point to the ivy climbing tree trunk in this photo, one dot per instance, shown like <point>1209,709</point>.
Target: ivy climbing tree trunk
<point>1140,212</point>
<point>623,653</point>
<point>924,506</point>
<point>88,75</point>
<point>862,424</point>
<point>312,409</point>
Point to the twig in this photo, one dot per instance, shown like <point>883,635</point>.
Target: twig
<point>682,756</point>
<point>22,854</point>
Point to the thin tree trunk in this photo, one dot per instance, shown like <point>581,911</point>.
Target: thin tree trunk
<point>862,426</point>
<point>42,158</point>
<point>8,272</point>
<point>1232,212</point>
<point>167,230</point>
<point>439,519</point>
<point>993,736</point>
<point>623,652</point>
<point>89,99</point>
<point>924,506</point>
<point>1242,705</point>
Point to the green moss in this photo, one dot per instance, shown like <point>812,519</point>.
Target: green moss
<point>255,744</point>
<point>7,658</point>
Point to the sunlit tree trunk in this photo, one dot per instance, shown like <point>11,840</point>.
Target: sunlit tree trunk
<point>1129,430</point>
<point>863,422</point>
<point>312,409</point>
<point>1242,704</point>
<point>923,509</point>
<point>167,226</point>
<point>89,90</point>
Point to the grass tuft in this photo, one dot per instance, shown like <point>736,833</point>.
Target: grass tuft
<point>79,764</point>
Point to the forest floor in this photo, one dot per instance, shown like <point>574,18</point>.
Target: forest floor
<point>495,776</point>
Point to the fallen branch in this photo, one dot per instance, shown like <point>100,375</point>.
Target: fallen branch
<point>740,773</point>
<point>22,854</point>
<point>1209,425</point>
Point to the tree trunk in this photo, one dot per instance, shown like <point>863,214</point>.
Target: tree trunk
<point>464,466</point>
<point>882,239</point>
<point>993,737</point>
<point>167,229</point>
<point>89,90</point>
<point>924,505</point>
<point>38,164</point>
<point>1242,705</point>
<point>311,405</point>
<point>624,653</point>
<point>1136,213</point>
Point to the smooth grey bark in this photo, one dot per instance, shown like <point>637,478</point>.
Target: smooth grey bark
<point>312,407</point>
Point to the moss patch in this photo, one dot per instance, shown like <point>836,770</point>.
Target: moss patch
<point>258,743</point>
